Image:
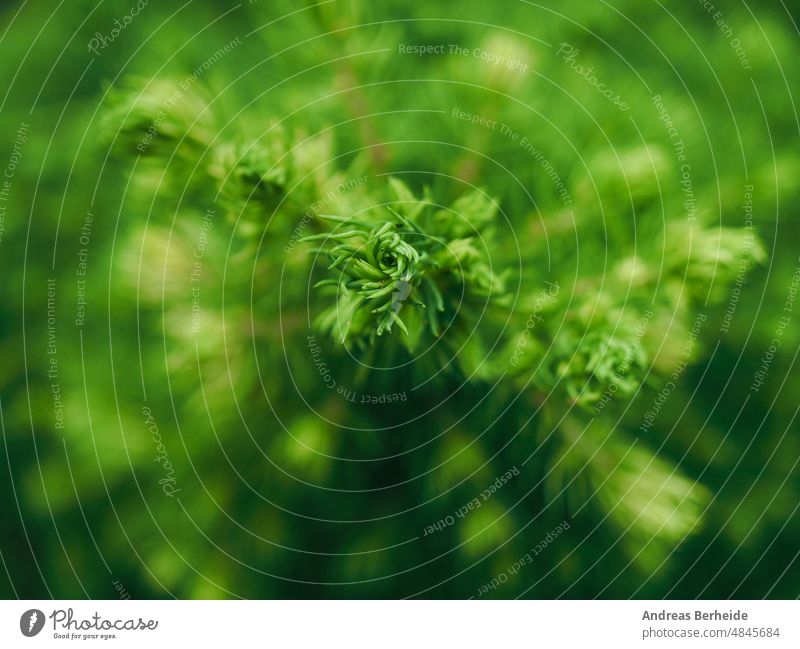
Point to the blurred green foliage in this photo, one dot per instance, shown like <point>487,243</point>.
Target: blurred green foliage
<point>217,443</point>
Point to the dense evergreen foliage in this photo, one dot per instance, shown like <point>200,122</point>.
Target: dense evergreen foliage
<point>357,299</point>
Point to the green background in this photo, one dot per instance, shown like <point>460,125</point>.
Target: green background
<point>288,490</point>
